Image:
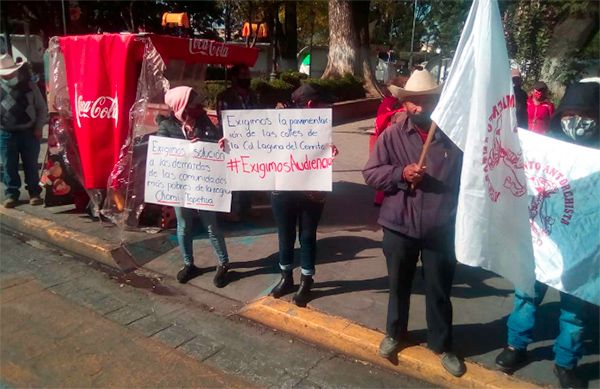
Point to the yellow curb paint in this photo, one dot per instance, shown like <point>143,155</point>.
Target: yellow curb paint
<point>363,343</point>
<point>76,242</point>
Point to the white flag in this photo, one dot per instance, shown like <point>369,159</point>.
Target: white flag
<point>477,111</point>
<point>563,182</point>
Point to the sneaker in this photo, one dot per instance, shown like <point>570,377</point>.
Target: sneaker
<point>388,346</point>
<point>10,203</point>
<point>35,200</point>
<point>187,273</point>
<point>510,359</point>
<point>453,364</point>
<point>220,279</point>
<point>567,378</point>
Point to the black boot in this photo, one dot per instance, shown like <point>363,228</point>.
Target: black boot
<point>187,273</point>
<point>284,286</point>
<point>302,296</point>
<point>567,378</point>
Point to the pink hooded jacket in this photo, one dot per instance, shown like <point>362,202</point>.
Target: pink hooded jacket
<point>177,99</point>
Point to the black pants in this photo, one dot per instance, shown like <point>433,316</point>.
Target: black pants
<point>437,257</point>
<point>293,209</point>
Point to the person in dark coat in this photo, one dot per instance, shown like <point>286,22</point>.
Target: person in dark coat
<point>418,215</point>
<point>298,213</point>
<point>520,98</point>
<point>188,120</point>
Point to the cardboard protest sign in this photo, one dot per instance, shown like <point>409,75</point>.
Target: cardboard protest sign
<point>278,149</point>
<point>184,174</point>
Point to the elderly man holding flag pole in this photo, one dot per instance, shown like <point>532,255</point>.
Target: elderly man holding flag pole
<point>417,216</point>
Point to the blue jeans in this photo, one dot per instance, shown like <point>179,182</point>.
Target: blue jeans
<point>185,234</point>
<point>24,145</point>
<point>568,347</point>
<point>291,209</point>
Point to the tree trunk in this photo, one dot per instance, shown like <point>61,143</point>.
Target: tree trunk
<point>568,37</point>
<point>289,45</point>
<point>349,43</point>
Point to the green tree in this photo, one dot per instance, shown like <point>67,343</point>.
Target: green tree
<point>444,23</point>
<point>313,23</point>
<point>392,22</point>
<point>552,40</point>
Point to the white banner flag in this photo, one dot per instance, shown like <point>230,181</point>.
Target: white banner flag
<point>278,149</point>
<point>477,111</point>
<point>563,182</point>
<point>180,173</point>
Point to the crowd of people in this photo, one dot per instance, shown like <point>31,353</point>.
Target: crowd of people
<point>417,211</point>
<point>417,202</point>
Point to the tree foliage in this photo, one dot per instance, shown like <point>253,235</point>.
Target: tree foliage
<point>313,23</point>
<point>392,21</point>
<point>536,40</point>
<point>438,23</point>
<point>528,27</point>
<point>444,23</point>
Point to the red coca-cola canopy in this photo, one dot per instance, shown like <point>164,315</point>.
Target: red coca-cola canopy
<point>203,51</point>
<point>102,73</point>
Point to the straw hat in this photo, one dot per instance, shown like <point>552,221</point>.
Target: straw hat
<point>8,65</point>
<point>420,82</point>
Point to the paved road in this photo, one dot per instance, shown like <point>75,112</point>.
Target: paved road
<point>69,323</point>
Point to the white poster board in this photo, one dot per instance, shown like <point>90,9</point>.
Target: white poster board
<point>184,174</point>
<point>278,149</point>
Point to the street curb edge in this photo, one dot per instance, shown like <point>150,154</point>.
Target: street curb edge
<point>363,343</point>
<point>98,249</point>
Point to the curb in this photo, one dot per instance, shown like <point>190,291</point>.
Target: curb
<point>316,327</point>
<point>98,249</point>
<point>363,343</point>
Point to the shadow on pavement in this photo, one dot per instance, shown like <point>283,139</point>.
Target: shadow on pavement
<point>350,205</point>
<point>330,250</point>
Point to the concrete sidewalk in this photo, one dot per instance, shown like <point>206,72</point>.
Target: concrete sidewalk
<point>350,284</point>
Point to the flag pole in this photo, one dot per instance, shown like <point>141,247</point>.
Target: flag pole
<point>426,146</point>
<point>427,143</point>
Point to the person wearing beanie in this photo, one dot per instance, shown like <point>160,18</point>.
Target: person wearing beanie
<point>299,210</point>
<point>23,113</point>
<point>539,109</point>
<point>520,98</point>
<point>238,96</point>
<point>578,114</point>
<point>188,120</point>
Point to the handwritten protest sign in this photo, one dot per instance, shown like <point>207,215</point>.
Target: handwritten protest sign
<point>184,174</point>
<point>278,149</point>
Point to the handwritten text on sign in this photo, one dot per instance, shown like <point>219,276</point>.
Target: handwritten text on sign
<point>184,174</point>
<point>278,149</point>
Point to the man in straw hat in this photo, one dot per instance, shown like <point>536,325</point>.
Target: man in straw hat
<point>23,113</point>
<point>417,216</point>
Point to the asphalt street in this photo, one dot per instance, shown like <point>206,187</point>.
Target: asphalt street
<point>69,322</point>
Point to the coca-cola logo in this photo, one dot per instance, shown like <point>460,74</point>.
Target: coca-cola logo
<point>103,107</point>
<point>207,47</point>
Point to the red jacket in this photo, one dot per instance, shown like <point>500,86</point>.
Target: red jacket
<point>539,115</point>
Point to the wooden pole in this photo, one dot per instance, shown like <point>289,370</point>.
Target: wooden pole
<point>427,143</point>
<point>426,146</point>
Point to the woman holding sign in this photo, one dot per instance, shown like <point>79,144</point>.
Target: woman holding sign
<point>302,209</point>
<point>188,120</point>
